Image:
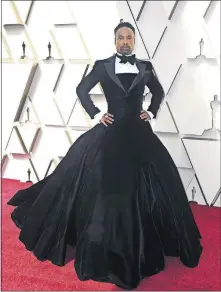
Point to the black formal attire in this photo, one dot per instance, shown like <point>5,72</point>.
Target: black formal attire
<point>116,196</point>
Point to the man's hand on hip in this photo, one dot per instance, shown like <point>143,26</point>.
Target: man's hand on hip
<point>145,116</point>
<point>107,119</point>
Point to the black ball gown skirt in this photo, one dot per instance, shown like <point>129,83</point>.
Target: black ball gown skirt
<point>118,199</point>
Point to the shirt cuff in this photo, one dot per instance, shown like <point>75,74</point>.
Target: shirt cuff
<point>150,114</point>
<point>98,116</point>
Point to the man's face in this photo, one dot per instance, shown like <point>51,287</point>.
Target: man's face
<point>125,41</point>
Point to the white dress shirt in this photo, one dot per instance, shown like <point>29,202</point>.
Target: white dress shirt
<point>122,68</point>
<point>125,68</point>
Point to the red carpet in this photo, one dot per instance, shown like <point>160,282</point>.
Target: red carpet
<point>21,271</point>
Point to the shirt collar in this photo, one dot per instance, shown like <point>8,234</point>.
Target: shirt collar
<point>125,55</point>
<point>117,59</point>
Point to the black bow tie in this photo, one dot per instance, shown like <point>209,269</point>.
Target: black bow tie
<point>124,59</point>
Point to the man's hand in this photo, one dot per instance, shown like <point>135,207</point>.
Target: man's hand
<point>107,118</point>
<point>145,116</point>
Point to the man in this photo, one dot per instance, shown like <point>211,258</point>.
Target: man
<point>124,62</point>
<point>116,196</point>
<point>143,213</point>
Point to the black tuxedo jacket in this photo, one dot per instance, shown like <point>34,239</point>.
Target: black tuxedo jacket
<point>104,72</point>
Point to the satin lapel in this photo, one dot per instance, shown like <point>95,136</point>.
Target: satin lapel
<point>139,75</point>
<point>110,68</point>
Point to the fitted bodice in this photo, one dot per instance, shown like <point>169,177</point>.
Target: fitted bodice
<point>119,106</point>
<point>126,79</point>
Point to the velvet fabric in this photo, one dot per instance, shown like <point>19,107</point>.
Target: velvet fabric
<point>116,197</point>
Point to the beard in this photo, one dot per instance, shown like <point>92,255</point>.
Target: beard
<point>125,50</point>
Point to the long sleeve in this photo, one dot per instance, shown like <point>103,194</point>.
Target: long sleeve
<point>84,88</point>
<point>156,90</point>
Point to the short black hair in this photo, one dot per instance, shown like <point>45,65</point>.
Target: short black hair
<point>124,24</point>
